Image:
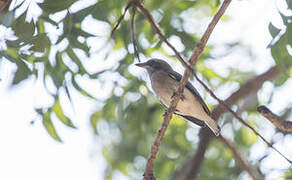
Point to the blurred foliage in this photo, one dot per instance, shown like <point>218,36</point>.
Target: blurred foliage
<point>281,43</point>
<point>127,121</point>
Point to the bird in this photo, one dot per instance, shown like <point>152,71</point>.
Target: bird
<point>165,81</point>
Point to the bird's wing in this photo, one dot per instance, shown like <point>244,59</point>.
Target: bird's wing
<point>190,118</point>
<point>193,90</point>
<point>194,120</point>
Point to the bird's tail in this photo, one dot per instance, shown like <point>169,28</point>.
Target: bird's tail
<point>211,123</point>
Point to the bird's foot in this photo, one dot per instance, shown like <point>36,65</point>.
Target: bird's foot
<point>175,93</point>
<point>165,112</point>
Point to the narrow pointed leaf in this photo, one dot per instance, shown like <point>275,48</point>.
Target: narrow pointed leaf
<point>60,114</point>
<point>48,124</point>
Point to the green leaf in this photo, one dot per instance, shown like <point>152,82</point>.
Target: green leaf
<point>281,80</point>
<point>14,43</point>
<point>47,122</point>
<point>100,10</point>
<point>81,90</point>
<point>289,32</point>
<point>280,53</point>
<point>67,24</point>
<point>53,6</point>
<point>76,44</point>
<point>288,174</point>
<point>68,93</point>
<point>94,120</point>
<point>60,114</point>
<point>273,30</point>
<point>75,59</point>
<point>23,29</point>
<point>48,19</point>
<point>40,43</point>
<point>58,72</point>
<point>22,72</point>
<point>289,2</point>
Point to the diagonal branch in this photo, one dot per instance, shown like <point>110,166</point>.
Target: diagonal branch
<point>285,126</point>
<point>121,18</point>
<point>250,87</point>
<point>198,50</point>
<point>133,34</point>
<point>168,115</point>
<point>242,162</point>
<point>156,27</point>
<point>195,163</point>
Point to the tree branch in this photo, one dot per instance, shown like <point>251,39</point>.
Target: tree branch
<point>133,34</point>
<point>198,50</point>
<point>242,162</point>
<point>121,18</point>
<point>251,86</point>
<point>174,101</point>
<point>156,27</point>
<point>195,163</point>
<point>285,126</point>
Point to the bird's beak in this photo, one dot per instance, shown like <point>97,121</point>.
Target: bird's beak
<point>143,65</point>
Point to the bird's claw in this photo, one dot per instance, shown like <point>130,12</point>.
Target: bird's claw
<point>164,114</point>
<point>173,94</point>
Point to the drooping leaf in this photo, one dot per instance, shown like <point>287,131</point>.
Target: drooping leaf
<point>94,120</point>
<point>280,53</point>
<point>67,24</point>
<point>289,32</point>
<point>40,43</point>
<point>273,30</point>
<point>57,109</point>
<point>81,90</point>
<point>23,29</point>
<point>21,73</point>
<point>76,60</point>
<point>53,6</point>
<point>48,124</point>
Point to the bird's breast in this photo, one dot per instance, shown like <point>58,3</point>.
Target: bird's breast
<point>164,86</point>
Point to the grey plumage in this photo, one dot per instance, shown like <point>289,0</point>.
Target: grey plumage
<point>164,81</point>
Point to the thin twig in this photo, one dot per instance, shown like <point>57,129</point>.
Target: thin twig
<point>121,18</point>
<point>174,101</point>
<point>198,50</point>
<point>156,27</point>
<point>133,33</point>
<point>241,120</point>
<point>200,46</point>
<point>242,162</point>
<point>285,126</point>
<point>250,87</point>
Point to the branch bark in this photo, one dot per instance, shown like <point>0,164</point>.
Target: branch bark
<point>198,50</point>
<point>284,126</point>
<point>148,175</point>
<point>242,162</point>
<point>251,86</point>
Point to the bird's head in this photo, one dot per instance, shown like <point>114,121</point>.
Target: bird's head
<point>154,65</point>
